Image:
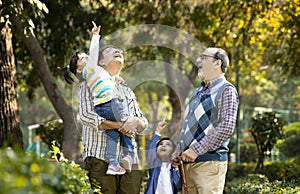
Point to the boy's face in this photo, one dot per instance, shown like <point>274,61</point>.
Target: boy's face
<point>164,150</point>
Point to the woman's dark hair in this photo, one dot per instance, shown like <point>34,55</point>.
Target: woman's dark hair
<point>71,68</point>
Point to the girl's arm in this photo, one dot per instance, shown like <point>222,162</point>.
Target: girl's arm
<point>94,47</point>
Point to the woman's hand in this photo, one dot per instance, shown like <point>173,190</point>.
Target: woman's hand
<point>96,30</point>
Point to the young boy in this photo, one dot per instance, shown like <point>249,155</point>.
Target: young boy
<point>163,177</point>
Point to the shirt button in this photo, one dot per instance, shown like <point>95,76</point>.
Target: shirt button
<point>186,120</point>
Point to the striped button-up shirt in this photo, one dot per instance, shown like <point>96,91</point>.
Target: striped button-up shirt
<point>94,138</point>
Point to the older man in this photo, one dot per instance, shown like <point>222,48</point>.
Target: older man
<point>208,125</point>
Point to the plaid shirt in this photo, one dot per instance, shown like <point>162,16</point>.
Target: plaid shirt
<point>210,117</point>
<point>94,138</point>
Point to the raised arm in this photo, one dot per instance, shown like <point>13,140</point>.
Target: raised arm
<point>94,47</point>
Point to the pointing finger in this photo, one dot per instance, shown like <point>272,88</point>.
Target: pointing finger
<point>94,24</point>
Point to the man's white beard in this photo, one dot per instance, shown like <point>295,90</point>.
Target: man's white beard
<point>200,75</point>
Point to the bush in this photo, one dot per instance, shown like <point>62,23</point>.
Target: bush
<point>248,152</point>
<point>283,171</point>
<point>290,146</point>
<point>25,173</point>
<point>259,184</point>
<point>235,171</point>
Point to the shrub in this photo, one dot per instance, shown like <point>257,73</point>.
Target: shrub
<point>259,184</point>
<point>283,171</point>
<point>290,146</point>
<point>25,173</point>
<point>235,171</point>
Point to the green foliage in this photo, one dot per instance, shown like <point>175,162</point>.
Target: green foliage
<point>259,184</point>
<point>248,152</point>
<point>51,131</point>
<point>283,171</point>
<point>290,146</point>
<point>237,171</point>
<point>266,129</point>
<point>25,173</point>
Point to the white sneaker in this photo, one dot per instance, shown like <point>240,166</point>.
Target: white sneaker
<point>126,162</point>
<point>114,168</point>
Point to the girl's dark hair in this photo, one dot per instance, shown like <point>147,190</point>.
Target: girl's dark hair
<point>71,68</point>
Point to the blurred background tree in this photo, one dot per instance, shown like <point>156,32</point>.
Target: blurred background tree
<point>266,129</point>
<point>261,38</point>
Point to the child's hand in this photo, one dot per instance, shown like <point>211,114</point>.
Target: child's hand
<point>119,80</point>
<point>161,125</point>
<point>96,30</point>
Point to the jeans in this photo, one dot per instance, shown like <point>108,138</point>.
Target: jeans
<point>113,111</point>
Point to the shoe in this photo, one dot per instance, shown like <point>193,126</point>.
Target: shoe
<point>126,162</point>
<point>114,168</point>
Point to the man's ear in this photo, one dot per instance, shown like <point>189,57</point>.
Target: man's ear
<point>218,63</point>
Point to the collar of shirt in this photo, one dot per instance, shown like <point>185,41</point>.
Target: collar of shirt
<point>206,85</point>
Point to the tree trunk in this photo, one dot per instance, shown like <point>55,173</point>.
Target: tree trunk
<point>260,164</point>
<point>10,132</point>
<point>71,136</point>
<point>174,99</point>
<point>179,87</point>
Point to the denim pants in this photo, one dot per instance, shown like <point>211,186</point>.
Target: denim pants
<point>113,111</point>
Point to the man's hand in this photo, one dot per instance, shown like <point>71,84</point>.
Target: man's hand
<point>174,158</point>
<point>189,155</point>
<point>130,125</point>
<point>175,162</point>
